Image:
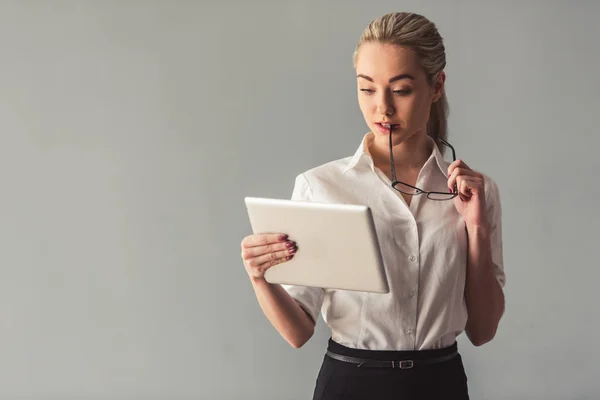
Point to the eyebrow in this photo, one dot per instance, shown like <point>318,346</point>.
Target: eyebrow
<point>393,79</point>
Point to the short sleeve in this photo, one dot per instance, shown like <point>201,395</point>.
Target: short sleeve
<point>309,298</point>
<point>494,212</point>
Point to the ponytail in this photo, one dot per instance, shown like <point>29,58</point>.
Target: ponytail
<point>437,126</point>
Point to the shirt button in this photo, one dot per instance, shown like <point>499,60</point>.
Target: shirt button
<point>408,331</point>
<point>412,258</point>
<point>411,294</point>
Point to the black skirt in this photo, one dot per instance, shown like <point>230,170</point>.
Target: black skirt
<point>343,380</point>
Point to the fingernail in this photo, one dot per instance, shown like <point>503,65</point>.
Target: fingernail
<point>289,257</point>
<point>290,244</point>
<point>292,250</point>
<point>283,238</point>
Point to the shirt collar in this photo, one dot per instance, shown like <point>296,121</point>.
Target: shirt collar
<point>362,156</point>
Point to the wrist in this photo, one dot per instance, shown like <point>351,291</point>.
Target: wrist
<point>258,280</point>
<point>481,230</point>
<point>480,250</point>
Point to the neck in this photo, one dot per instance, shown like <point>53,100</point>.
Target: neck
<point>411,153</point>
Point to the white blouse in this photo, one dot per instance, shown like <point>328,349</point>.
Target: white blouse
<point>424,248</point>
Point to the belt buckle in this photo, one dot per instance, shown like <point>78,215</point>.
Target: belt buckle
<point>406,364</point>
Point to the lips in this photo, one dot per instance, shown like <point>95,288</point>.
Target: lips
<point>385,127</point>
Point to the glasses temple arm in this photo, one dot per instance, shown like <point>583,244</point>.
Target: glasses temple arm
<point>392,166</point>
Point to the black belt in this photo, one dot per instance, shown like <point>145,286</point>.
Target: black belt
<point>402,364</point>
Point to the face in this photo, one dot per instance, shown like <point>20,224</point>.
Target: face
<point>393,90</point>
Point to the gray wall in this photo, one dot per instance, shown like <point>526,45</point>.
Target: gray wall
<point>130,132</point>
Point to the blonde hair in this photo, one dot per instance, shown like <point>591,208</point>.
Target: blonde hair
<point>419,34</point>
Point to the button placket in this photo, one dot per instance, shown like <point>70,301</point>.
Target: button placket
<point>413,257</point>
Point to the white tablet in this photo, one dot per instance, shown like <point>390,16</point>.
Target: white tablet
<point>337,244</point>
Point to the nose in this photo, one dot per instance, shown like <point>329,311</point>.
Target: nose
<point>385,105</point>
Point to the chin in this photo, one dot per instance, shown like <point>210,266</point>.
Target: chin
<point>398,134</point>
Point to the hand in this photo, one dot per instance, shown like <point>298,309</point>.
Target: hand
<point>263,251</point>
<point>470,202</point>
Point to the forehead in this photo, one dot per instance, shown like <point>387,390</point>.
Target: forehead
<point>382,61</point>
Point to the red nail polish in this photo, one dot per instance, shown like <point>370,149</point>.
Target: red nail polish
<point>283,238</point>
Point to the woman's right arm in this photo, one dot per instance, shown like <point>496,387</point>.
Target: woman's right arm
<point>261,252</point>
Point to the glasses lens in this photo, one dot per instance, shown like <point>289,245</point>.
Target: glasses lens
<point>441,196</point>
<point>401,187</point>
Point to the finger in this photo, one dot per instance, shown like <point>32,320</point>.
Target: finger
<point>258,265</point>
<point>468,186</point>
<point>474,185</point>
<point>461,188</point>
<point>452,179</point>
<point>457,164</point>
<point>460,172</point>
<point>259,270</point>
<point>263,239</point>
<point>269,264</point>
<point>251,252</point>
<point>266,258</point>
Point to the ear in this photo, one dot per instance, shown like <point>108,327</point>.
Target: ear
<point>438,86</point>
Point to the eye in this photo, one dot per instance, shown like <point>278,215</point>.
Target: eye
<point>403,92</point>
<point>368,91</point>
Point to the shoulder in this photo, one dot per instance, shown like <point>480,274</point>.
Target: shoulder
<point>489,182</point>
<point>319,183</point>
<point>492,191</point>
<point>331,171</point>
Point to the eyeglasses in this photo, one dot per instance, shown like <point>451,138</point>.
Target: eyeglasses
<point>413,190</point>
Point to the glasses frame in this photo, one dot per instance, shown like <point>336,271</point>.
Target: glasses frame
<point>418,191</point>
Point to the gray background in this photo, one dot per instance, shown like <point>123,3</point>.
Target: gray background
<point>130,132</point>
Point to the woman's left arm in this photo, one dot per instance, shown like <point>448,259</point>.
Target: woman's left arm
<point>483,293</point>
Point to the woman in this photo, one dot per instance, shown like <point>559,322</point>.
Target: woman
<point>439,225</point>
